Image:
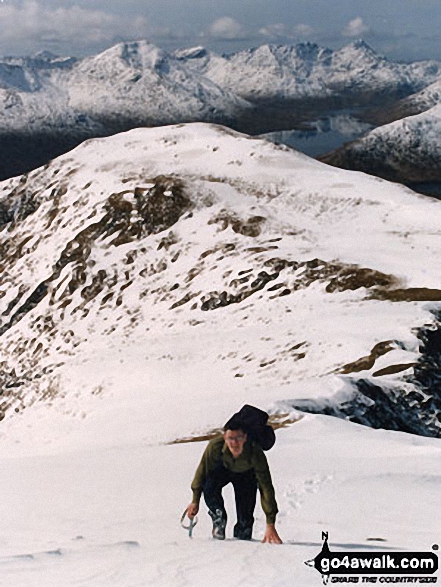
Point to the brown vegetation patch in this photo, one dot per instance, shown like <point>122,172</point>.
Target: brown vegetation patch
<point>392,369</point>
<point>353,277</point>
<point>168,240</point>
<point>366,363</point>
<point>251,227</point>
<point>55,198</point>
<point>187,298</point>
<point>151,212</point>
<point>276,421</point>
<point>261,249</point>
<point>29,304</point>
<point>11,250</point>
<point>340,277</point>
<point>410,294</point>
<point>18,204</point>
<point>220,299</point>
<point>294,276</point>
<point>16,383</point>
<point>91,291</point>
<point>129,219</point>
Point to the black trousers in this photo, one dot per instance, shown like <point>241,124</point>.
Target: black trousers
<point>245,492</point>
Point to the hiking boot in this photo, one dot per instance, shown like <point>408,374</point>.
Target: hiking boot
<point>243,530</point>
<point>219,524</point>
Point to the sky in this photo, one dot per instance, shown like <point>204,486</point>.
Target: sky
<point>405,30</point>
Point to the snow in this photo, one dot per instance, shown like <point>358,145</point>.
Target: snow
<point>93,486</point>
<point>105,517</point>
<point>138,79</point>
<point>409,147</point>
<point>293,72</point>
<point>140,83</point>
<point>426,98</point>
<point>135,80</point>
<point>419,131</point>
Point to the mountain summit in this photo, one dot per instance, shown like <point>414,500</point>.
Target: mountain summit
<point>200,257</point>
<point>306,69</point>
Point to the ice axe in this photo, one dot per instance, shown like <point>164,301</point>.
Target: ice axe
<point>191,525</point>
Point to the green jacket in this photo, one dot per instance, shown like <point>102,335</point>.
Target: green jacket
<point>252,457</point>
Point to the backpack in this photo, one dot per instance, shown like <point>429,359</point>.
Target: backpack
<point>254,422</point>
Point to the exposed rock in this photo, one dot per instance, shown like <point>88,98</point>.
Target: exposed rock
<point>413,407</point>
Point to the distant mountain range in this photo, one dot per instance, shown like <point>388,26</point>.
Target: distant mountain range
<point>272,72</point>
<point>51,104</point>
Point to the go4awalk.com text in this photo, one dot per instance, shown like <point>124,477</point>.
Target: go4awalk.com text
<point>396,563</point>
<point>383,580</point>
<point>375,567</point>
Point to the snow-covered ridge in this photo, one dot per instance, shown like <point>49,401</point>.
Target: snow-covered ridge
<point>407,150</point>
<point>426,98</point>
<point>204,259</point>
<point>140,80</point>
<point>49,104</point>
<point>108,255</point>
<point>135,80</point>
<point>293,72</point>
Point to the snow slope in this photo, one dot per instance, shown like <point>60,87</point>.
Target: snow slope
<point>139,82</point>
<point>192,228</point>
<point>307,70</point>
<point>110,517</point>
<point>152,283</point>
<point>135,81</point>
<point>423,100</point>
<point>407,150</point>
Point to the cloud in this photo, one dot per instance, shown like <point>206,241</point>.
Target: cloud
<point>226,28</point>
<point>31,25</point>
<point>303,30</point>
<point>274,31</point>
<point>281,32</point>
<point>355,28</point>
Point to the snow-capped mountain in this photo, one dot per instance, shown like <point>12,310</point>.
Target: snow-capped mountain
<point>29,74</point>
<point>193,259</point>
<point>414,104</point>
<point>140,83</point>
<point>50,104</point>
<point>135,81</point>
<point>407,150</point>
<point>428,97</point>
<point>30,94</point>
<point>277,72</point>
<point>423,100</point>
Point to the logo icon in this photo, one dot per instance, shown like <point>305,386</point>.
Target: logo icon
<point>384,563</point>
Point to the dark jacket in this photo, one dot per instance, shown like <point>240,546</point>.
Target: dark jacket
<point>252,457</point>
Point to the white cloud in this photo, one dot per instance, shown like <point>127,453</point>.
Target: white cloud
<point>33,25</point>
<point>274,31</point>
<point>281,31</point>
<point>303,30</point>
<point>355,28</point>
<point>226,28</point>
